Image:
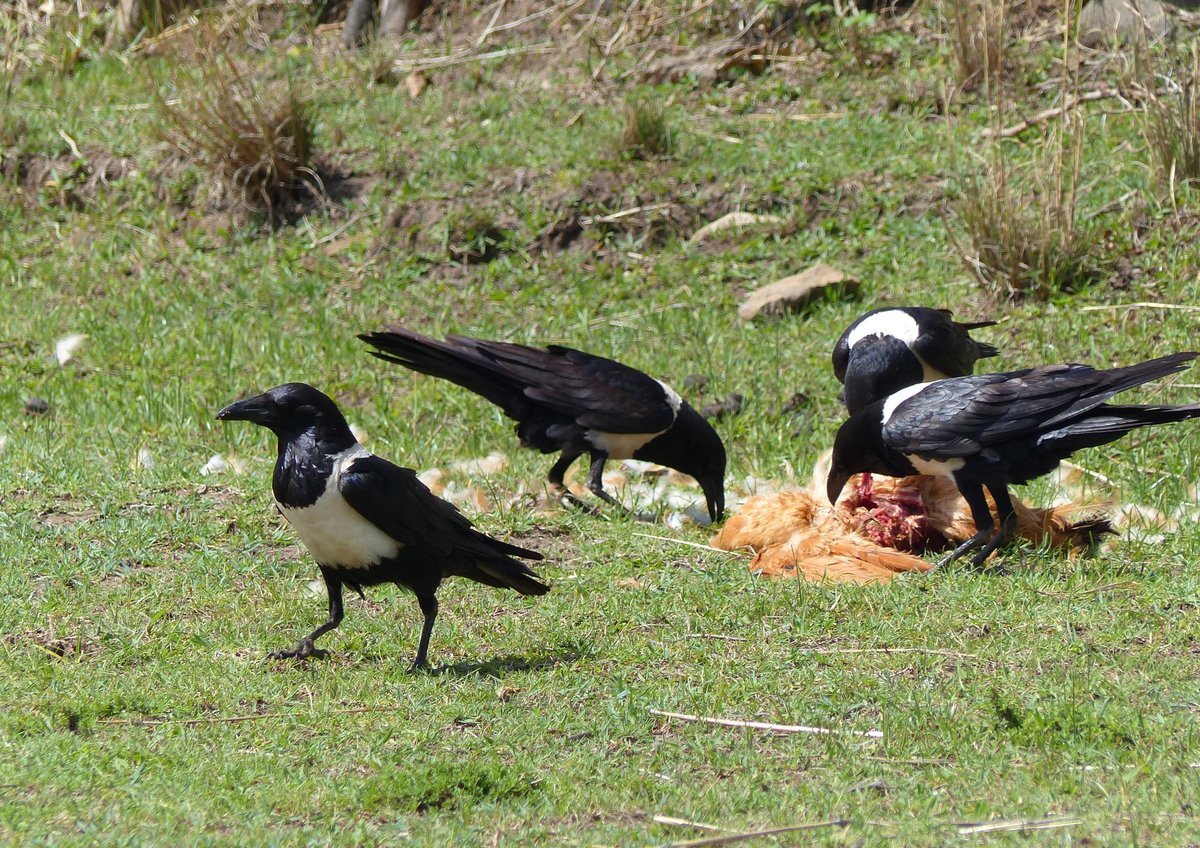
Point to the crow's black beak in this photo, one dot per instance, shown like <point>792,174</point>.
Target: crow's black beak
<point>259,410</point>
<point>715,500</point>
<point>835,484</point>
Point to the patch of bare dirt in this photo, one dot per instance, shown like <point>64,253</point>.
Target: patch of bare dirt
<point>555,545</point>
<point>68,178</point>
<point>67,647</point>
<point>55,518</point>
<point>288,553</point>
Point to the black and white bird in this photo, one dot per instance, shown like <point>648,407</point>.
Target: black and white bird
<point>888,349</point>
<point>994,430</point>
<point>366,521</point>
<point>573,403</point>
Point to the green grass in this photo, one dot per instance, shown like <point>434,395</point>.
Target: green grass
<point>141,601</point>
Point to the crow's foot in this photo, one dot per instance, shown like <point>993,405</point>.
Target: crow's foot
<point>302,651</point>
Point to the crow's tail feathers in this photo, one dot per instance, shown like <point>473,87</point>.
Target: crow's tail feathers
<point>490,561</point>
<point>985,349</point>
<point>505,573</point>
<point>447,360</point>
<point>1107,423</point>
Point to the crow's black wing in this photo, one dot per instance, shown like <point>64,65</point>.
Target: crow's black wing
<point>597,393</point>
<point>945,344</point>
<point>959,417</point>
<point>963,415</point>
<point>395,501</point>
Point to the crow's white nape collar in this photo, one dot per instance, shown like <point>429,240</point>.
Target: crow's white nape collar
<point>673,399</point>
<point>891,322</point>
<point>897,398</point>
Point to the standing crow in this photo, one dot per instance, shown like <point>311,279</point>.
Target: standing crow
<point>891,348</point>
<point>997,429</point>
<point>572,402</point>
<point>366,521</point>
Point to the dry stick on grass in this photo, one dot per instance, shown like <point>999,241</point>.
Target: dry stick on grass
<point>1112,307</point>
<point>912,761</point>
<point>689,544</point>
<point>733,838</point>
<point>936,652</point>
<point>672,820</point>
<point>1123,586</point>
<point>1017,825</point>
<point>462,57</point>
<point>766,725</point>
<point>1053,112</point>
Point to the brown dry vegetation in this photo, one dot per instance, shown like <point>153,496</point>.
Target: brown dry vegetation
<point>252,138</point>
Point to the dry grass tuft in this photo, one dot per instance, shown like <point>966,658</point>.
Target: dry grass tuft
<point>647,133</point>
<point>976,29</point>
<point>253,139</point>
<point>1171,119</point>
<point>1018,229</point>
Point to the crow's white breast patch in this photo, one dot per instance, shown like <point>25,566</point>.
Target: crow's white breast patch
<point>334,532</point>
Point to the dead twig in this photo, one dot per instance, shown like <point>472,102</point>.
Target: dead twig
<point>687,543</point>
<point>1123,586</point>
<point>912,761</point>
<point>1016,825</point>
<point>461,57</point>
<point>587,221</point>
<point>1111,307</point>
<point>1053,112</point>
<point>931,651</point>
<point>766,725</point>
<point>676,822</point>
<point>731,838</point>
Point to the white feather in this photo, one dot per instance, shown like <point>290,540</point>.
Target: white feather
<point>65,347</point>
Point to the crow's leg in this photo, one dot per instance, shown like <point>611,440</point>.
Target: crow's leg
<point>1008,523</point>
<point>559,470</point>
<point>973,495</point>
<point>555,479</point>
<point>596,481</point>
<point>305,649</point>
<point>429,607</point>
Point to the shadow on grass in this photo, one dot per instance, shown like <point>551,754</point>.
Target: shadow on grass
<point>565,654</point>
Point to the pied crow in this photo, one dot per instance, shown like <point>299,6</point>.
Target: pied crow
<point>572,403</point>
<point>888,349</point>
<point>994,430</point>
<point>366,521</point>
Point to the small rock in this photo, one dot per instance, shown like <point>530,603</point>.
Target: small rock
<point>1103,22</point>
<point>415,83</point>
<point>695,382</point>
<point>791,294</point>
<point>732,405</point>
<point>734,220</point>
<point>36,406</point>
